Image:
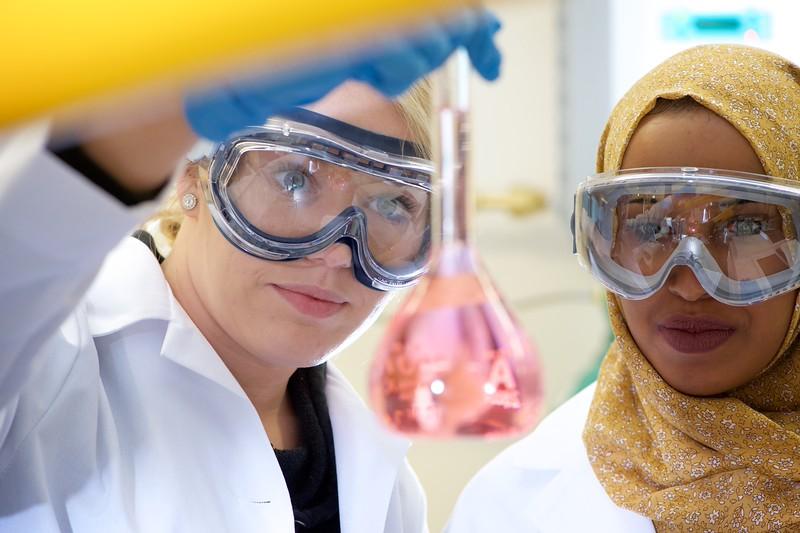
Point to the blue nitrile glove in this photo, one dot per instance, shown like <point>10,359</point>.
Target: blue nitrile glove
<point>394,65</point>
<point>390,66</point>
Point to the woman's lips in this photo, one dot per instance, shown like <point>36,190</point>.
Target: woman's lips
<point>310,300</point>
<point>695,335</point>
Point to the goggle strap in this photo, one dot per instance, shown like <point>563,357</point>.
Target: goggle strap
<point>354,134</point>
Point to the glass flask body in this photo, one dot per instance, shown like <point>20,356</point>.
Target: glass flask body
<point>454,361</point>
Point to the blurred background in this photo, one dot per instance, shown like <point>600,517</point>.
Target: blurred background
<point>535,134</point>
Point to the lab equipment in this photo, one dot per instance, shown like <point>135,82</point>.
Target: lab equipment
<point>454,361</point>
<point>305,181</point>
<point>736,231</point>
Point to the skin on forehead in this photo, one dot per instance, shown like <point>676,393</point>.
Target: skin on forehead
<point>362,106</point>
<point>700,138</point>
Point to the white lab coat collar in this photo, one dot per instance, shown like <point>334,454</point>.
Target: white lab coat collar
<point>572,498</point>
<point>358,434</point>
<point>149,297</point>
<point>575,501</point>
<point>146,295</point>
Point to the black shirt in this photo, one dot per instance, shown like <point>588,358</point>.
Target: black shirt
<point>310,470</point>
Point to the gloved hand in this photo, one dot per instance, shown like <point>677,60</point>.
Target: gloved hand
<point>390,66</point>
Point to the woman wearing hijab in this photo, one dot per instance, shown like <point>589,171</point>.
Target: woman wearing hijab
<point>692,224</point>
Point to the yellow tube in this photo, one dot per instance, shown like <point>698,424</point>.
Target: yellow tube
<point>57,53</point>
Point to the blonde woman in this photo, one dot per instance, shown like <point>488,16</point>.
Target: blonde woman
<point>191,393</point>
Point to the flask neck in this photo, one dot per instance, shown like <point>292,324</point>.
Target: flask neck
<point>453,163</point>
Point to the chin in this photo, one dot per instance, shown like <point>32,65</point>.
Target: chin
<point>298,356</point>
<point>696,386</point>
<point>313,363</point>
<point>282,361</point>
<point>323,356</point>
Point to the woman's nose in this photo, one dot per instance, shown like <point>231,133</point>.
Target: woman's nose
<point>337,255</point>
<point>683,283</point>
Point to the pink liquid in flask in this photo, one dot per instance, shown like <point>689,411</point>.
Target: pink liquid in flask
<point>454,361</point>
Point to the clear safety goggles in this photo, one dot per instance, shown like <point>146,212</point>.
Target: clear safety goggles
<point>737,232</point>
<point>304,182</point>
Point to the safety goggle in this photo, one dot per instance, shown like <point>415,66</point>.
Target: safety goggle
<point>737,232</point>
<point>290,189</point>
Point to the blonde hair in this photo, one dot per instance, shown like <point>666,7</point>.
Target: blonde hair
<point>415,107</point>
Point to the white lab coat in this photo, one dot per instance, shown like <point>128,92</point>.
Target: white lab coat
<point>115,413</point>
<point>544,483</point>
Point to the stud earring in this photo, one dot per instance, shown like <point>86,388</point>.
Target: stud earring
<point>188,201</point>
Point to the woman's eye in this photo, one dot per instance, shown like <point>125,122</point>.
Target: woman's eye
<point>393,209</point>
<point>291,180</point>
<point>295,184</point>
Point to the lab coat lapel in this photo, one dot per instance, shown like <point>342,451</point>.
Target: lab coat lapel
<point>186,346</point>
<point>569,498</point>
<point>131,288</point>
<point>576,502</point>
<point>368,458</point>
<point>147,296</point>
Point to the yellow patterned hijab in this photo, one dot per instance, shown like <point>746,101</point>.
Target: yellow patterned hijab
<point>729,463</point>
